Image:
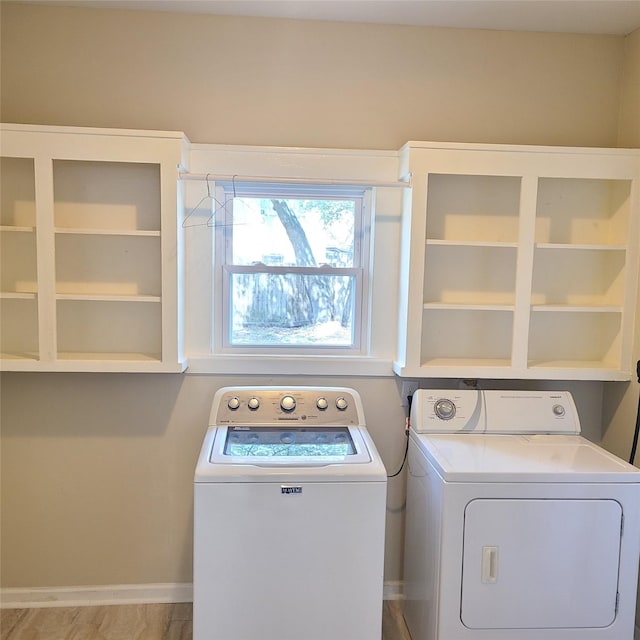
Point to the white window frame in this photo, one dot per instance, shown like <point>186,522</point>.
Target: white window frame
<point>223,269</point>
<point>208,163</point>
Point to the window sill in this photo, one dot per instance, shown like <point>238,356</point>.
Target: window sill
<point>246,364</point>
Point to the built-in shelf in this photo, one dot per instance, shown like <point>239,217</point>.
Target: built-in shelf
<point>107,298</point>
<point>468,243</point>
<point>580,247</point>
<point>469,307</point>
<point>5,228</point>
<point>518,262</point>
<point>108,232</point>
<point>16,295</point>
<point>91,249</point>
<point>575,309</point>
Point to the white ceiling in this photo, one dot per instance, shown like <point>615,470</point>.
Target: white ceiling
<point>618,17</point>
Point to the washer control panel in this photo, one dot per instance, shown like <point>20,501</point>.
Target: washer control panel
<point>494,411</point>
<point>277,405</point>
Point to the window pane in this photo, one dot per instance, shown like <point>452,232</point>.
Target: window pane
<point>293,231</point>
<point>291,309</point>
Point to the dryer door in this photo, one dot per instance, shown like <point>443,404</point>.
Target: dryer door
<point>540,564</point>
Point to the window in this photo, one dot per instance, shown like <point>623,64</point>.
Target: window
<point>291,268</point>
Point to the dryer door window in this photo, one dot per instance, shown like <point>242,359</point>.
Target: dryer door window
<point>540,564</point>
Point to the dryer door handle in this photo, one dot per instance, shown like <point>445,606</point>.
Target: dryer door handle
<point>489,565</point>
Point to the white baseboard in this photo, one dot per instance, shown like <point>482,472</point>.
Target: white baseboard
<point>97,595</point>
<point>392,590</point>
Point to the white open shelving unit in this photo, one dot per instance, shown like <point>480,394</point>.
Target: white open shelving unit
<point>91,249</point>
<point>518,262</point>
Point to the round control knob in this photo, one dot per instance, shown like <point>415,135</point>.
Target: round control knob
<point>322,403</point>
<point>233,403</point>
<point>287,403</point>
<point>253,403</point>
<point>558,410</point>
<point>341,403</point>
<point>444,409</point>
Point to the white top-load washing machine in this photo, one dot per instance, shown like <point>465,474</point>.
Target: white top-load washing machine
<point>289,518</point>
<point>517,527</point>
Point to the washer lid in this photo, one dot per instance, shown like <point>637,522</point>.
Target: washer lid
<point>298,446</point>
<point>214,465</point>
<point>522,458</point>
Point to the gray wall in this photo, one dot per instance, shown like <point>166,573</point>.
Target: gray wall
<point>97,468</point>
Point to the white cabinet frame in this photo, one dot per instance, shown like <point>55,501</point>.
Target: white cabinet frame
<point>108,249</point>
<point>518,262</point>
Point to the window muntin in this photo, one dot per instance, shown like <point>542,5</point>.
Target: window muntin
<point>291,267</point>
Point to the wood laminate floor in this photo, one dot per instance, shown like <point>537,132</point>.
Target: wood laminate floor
<point>134,622</point>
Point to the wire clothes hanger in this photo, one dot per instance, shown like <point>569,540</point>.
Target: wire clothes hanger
<point>220,206</point>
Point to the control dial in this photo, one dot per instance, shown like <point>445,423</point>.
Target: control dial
<point>444,409</point>
<point>253,403</point>
<point>287,403</point>
<point>322,403</point>
<point>341,403</point>
<point>233,403</point>
<point>558,410</point>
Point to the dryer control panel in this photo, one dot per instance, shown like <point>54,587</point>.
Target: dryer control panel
<point>493,411</point>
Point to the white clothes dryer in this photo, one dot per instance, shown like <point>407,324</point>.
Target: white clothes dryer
<point>289,518</point>
<point>517,528</point>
